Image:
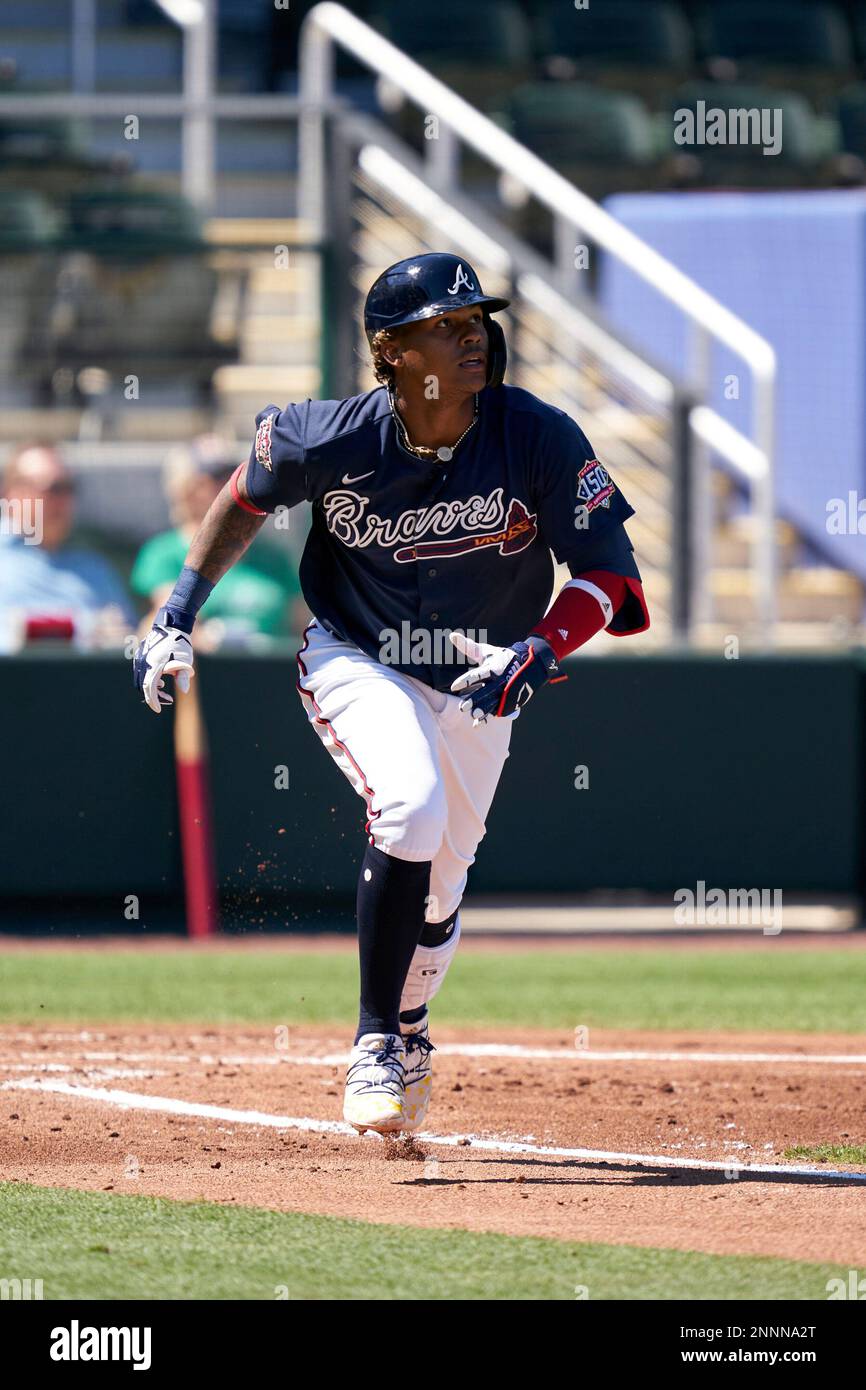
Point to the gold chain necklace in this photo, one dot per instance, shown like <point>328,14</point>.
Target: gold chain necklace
<point>445,452</point>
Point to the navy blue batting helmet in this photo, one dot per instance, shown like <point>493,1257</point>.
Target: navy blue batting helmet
<point>423,287</point>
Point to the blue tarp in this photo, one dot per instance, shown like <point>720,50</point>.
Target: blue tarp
<point>793,266</point>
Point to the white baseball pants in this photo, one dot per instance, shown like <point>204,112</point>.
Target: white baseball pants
<point>427,775</point>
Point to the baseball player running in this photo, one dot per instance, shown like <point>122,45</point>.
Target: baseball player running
<point>437,499</point>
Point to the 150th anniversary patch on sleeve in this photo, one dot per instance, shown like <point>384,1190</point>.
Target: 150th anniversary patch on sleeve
<point>594,486</point>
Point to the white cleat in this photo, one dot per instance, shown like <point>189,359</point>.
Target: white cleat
<point>419,1073</point>
<point>375,1084</point>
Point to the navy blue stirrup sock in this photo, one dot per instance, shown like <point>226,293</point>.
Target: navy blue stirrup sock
<point>392,898</point>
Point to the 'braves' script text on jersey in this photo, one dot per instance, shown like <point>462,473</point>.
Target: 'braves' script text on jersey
<point>464,544</point>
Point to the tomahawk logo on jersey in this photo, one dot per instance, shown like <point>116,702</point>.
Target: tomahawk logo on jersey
<point>462,544</point>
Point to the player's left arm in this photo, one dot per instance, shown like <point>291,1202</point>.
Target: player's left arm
<point>580,514</point>
<point>605,593</point>
<point>593,599</point>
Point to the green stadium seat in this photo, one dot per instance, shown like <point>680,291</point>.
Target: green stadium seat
<point>27,222</point>
<point>125,221</point>
<point>801,46</point>
<point>482,50</point>
<point>53,158</point>
<point>600,140</point>
<point>141,290</point>
<point>808,141</point>
<point>639,33</point>
<point>30,231</point>
<point>645,47</point>
<point>576,122</point>
<point>39,143</point>
<point>796,33</point>
<point>490,32</point>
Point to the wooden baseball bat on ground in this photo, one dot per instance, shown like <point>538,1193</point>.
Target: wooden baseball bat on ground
<point>194,812</point>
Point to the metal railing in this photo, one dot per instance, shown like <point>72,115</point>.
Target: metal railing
<point>562,333</point>
<point>329,25</point>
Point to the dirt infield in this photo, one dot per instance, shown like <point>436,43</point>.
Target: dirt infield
<point>683,1100</point>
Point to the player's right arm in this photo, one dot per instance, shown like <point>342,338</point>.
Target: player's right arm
<point>273,475</point>
<point>229,526</point>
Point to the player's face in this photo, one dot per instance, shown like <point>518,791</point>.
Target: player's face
<point>452,348</point>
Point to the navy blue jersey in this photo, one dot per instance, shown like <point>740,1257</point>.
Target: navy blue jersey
<point>409,546</point>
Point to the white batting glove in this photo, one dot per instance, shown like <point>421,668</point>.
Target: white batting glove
<point>492,661</point>
<point>165,651</point>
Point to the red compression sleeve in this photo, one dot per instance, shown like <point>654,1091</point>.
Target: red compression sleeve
<point>242,501</point>
<point>576,615</point>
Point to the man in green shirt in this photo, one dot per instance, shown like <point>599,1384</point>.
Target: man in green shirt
<point>261,594</point>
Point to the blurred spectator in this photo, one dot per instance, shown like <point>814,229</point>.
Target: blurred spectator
<point>49,588</point>
<point>260,594</point>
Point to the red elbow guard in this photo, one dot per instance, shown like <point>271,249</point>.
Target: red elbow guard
<point>577,615</point>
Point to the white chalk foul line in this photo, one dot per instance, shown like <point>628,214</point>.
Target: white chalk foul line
<point>504,1051</point>
<point>613,1055</point>
<point>482,1050</point>
<point>94,1073</point>
<point>131,1100</point>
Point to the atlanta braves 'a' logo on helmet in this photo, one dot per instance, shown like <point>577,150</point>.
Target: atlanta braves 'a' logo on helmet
<point>461,282</point>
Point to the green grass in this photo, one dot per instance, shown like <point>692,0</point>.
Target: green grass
<point>803,991</point>
<point>91,1245</point>
<point>829,1153</point>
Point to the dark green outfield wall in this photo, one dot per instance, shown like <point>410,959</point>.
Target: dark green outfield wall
<point>744,773</point>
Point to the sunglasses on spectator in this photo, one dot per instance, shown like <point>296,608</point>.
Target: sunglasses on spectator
<point>62,488</point>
